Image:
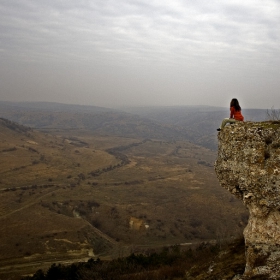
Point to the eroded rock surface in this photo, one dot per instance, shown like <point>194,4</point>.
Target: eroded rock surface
<point>248,165</point>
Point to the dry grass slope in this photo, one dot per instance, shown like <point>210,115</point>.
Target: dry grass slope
<point>73,195</point>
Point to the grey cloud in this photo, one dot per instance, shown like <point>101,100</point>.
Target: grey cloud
<point>122,47</point>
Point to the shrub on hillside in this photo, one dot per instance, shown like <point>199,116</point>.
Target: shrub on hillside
<point>170,263</point>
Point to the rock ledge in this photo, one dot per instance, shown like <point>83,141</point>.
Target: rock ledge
<point>248,165</point>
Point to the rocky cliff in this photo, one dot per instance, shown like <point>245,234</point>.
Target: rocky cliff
<point>248,165</point>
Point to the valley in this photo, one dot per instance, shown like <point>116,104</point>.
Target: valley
<point>70,194</point>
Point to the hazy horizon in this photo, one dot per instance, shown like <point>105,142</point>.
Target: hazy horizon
<point>120,107</point>
<point>141,53</point>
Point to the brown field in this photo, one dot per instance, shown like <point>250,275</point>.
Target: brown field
<point>71,195</point>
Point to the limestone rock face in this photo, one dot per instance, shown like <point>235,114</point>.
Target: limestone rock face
<point>248,165</point>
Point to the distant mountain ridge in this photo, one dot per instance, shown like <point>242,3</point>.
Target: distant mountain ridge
<point>53,107</point>
<point>100,123</point>
<point>197,124</point>
<point>200,122</point>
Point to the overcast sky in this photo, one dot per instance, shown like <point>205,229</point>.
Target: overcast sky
<point>144,52</point>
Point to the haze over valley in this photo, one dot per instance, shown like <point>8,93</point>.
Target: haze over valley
<point>80,181</point>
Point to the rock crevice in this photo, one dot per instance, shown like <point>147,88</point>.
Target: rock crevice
<point>248,165</point>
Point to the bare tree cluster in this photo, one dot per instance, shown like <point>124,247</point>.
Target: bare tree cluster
<point>273,114</point>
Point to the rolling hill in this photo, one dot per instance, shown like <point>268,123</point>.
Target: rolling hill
<point>75,193</point>
<point>196,124</point>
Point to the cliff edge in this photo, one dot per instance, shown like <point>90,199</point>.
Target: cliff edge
<point>248,165</point>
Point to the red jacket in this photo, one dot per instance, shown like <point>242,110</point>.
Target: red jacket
<point>236,114</point>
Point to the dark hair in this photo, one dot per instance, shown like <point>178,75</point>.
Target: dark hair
<point>234,103</point>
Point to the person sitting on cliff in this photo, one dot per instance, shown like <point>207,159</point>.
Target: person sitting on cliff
<point>235,114</point>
